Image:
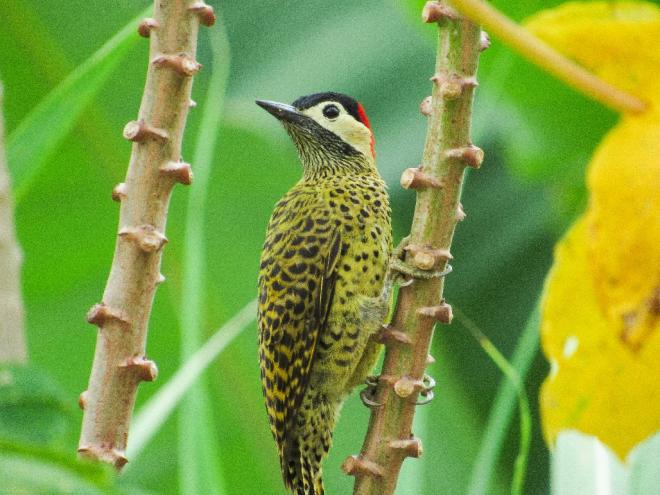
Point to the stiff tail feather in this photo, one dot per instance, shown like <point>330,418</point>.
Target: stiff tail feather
<point>302,472</point>
<point>307,444</point>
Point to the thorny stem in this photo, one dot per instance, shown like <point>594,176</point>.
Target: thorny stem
<point>155,167</point>
<point>13,348</point>
<point>447,152</point>
<point>546,57</point>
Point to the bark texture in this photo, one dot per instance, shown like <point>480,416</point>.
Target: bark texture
<point>447,153</point>
<point>155,167</point>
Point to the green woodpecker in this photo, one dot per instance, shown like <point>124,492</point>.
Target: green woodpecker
<point>322,290</point>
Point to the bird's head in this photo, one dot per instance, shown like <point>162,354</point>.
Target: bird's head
<point>330,130</point>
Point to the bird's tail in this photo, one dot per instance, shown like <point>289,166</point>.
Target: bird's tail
<point>307,446</point>
<point>302,472</point>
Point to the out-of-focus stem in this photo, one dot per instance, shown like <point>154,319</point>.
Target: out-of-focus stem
<point>546,57</point>
<point>13,347</point>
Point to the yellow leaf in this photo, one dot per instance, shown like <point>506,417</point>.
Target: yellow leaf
<point>601,314</point>
<point>597,384</point>
<point>617,41</point>
<point>624,221</point>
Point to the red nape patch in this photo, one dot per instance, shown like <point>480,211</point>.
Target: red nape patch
<point>365,120</point>
<point>363,116</point>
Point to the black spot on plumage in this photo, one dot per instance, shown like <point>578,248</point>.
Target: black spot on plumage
<point>275,271</point>
<point>298,268</point>
<point>309,252</point>
<point>299,308</point>
<point>301,293</point>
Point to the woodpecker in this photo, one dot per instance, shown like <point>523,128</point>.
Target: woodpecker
<point>323,295</point>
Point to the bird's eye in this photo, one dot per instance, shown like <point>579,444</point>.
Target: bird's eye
<point>331,111</point>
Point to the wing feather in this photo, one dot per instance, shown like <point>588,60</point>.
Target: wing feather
<point>296,288</point>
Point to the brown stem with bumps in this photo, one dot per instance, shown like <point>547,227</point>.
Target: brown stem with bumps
<point>155,167</point>
<point>13,348</point>
<point>447,153</point>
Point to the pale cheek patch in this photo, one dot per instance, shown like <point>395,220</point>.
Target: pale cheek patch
<point>347,128</point>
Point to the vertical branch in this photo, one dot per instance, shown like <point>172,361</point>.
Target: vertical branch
<point>13,348</point>
<point>438,181</point>
<point>155,167</point>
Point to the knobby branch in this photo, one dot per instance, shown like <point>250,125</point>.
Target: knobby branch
<point>447,153</point>
<point>155,167</point>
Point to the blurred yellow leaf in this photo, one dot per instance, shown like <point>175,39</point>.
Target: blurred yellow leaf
<point>617,41</point>
<point>601,314</point>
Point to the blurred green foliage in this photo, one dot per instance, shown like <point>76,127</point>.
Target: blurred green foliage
<point>537,135</point>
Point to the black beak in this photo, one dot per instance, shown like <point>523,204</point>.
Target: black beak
<point>282,111</point>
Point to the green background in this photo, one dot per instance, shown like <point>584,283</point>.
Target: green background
<point>537,134</point>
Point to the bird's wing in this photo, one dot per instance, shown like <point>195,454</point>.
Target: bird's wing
<point>296,286</point>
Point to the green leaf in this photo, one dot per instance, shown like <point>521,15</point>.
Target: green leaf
<point>154,413</point>
<point>32,407</point>
<point>501,414</point>
<point>199,457</point>
<point>38,135</point>
<point>33,471</point>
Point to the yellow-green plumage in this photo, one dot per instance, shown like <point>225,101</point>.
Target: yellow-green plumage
<point>322,298</point>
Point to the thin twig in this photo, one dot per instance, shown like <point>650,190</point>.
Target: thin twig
<point>155,167</point>
<point>447,153</point>
<point>546,57</point>
<point>520,466</point>
<point>13,347</point>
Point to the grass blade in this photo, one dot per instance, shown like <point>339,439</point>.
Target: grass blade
<point>502,411</point>
<point>34,140</point>
<point>198,449</point>
<point>154,413</point>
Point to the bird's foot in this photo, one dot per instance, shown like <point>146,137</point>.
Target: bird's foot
<point>404,274</point>
<point>367,395</point>
<point>426,394</point>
